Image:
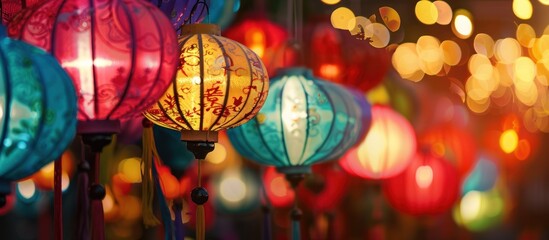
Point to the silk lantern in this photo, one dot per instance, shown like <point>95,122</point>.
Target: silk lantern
<point>304,121</point>
<point>387,149</point>
<point>219,84</point>
<point>339,57</point>
<point>121,56</point>
<point>428,186</point>
<point>37,110</point>
<point>452,143</point>
<point>264,37</point>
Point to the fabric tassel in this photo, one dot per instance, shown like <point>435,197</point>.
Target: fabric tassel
<point>58,200</point>
<point>83,231</point>
<point>98,218</point>
<point>200,223</point>
<point>164,209</point>
<point>178,221</point>
<point>147,182</point>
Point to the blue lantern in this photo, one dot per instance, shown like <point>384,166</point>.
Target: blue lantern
<point>304,121</point>
<point>37,110</point>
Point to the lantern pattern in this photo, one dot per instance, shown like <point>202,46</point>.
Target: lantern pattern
<point>267,39</point>
<point>339,57</point>
<point>219,84</point>
<point>10,8</point>
<point>430,185</point>
<point>305,120</point>
<point>387,149</point>
<point>120,54</point>
<point>37,110</point>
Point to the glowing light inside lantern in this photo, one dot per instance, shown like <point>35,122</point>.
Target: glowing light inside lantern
<point>508,141</point>
<point>232,189</point>
<point>424,176</point>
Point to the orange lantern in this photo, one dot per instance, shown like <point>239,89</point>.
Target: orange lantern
<point>387,149</point>
<point>430,185</point>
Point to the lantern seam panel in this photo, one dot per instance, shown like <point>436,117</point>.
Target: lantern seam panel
<point>132,63</point>
<point>282,139</point>
<point>201,65</point>
<point>301,161</point>
<point>227,84</point>
<point>176,95</point>
<point>8,101</point>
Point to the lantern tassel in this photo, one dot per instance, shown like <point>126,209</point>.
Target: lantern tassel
<point>147,181</point>
<point>58,199</point>
<point>164,209</point>
<point>178,221</point>
<point>200,223</point>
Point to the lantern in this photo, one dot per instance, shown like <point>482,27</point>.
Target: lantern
<point>339,57</point>
<point>121,56</point>
<point>182,11</point>
<point>452,143</point>
<point>267,39</point>
<point>10,8</point>
<point>37,110</point>
<point>429,185</point>
<point>219,84</point>
<point>305,120</point>
<point>387,149</point>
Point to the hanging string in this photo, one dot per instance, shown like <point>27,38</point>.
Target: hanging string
<point>98,218</point>
<point>83,231</point>
<point>200,214</point>
<point>296,213</point>
<point>194,9</point>
<point>58,199</point>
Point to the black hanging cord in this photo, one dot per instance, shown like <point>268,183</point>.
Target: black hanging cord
<point>194,10</point>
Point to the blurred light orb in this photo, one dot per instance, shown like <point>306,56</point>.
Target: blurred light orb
<point>463,25</point>
<point>483,176</point>
<point>478,210</point>
<point>130,169</point>
<point>544,2</point>
<point>451,52</point>
<point>526,35</point>
<point>343,18</point>
<point>484,44</point>
<point>390,17</point>
<point>331,2</point>
<point>218,155</point>
<point>507,50</point>
<point>522,9</point>
<point>426,12</point>
<point>444,12</point>
<point>508,141</point>
<point>232,189</point>
<point>26,189</point>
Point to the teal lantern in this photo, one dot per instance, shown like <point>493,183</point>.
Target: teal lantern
<point>304,121</point>
<point>37,110</point>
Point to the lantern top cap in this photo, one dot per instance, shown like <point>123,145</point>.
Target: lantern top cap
<point>201,28</point>
<point>295,71</point>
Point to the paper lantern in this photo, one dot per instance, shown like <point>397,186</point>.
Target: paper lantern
<point>120,61</point>
<point>323,190</point>
<point>428,186</point>
<point>387,149</point>
<point>182,11</point>
<point>305,120</point>
<point>339,57</point>
<point>220,84</point>
<point>267,39</point>
<point>452,143</point>
<point>37,110</point>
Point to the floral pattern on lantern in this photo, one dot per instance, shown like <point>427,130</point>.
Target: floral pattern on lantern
<point>10,8</point>
<point>120,54</point>
<point>219,84</point>
<point>387,149</point>
<point>37,109</point>
<point>182,11</point>
<point>430,185</point>
<point>305,120</point>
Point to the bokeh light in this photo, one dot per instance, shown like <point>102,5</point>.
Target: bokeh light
<point>426,12</point>
<point>445,13</point>
<point>463,25</point>
<point>522,9</point>
<point>508,141</point>
<point>343,18</point>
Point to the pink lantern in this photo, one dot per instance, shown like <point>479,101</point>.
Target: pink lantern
<point>387,149</point>
<point>430,185</point>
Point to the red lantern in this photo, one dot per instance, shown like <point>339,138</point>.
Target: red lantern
<point>386,150</point>
<point>337,56</point>
<point>120,61</point>
<point>267,39</point>
<point>278,190</point>
<point>11,7</point>
<point>324,189</point>
<point>430,185</point>
<point>453,144</point>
